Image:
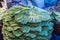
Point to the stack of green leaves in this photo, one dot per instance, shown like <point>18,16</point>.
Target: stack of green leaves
<point>25,23</point>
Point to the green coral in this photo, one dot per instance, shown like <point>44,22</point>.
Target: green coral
<point>25,23</point>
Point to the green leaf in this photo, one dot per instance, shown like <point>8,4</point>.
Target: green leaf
<point>44,33</point>
<point>58,18</point>
<point>30,35</point>
<point>39,28</point>
<point>11,35</point>
<point>25,29</point>
<point>17,33</point>
<point>9,28</point>
<point>53,15</point>
<point>15,28</point>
